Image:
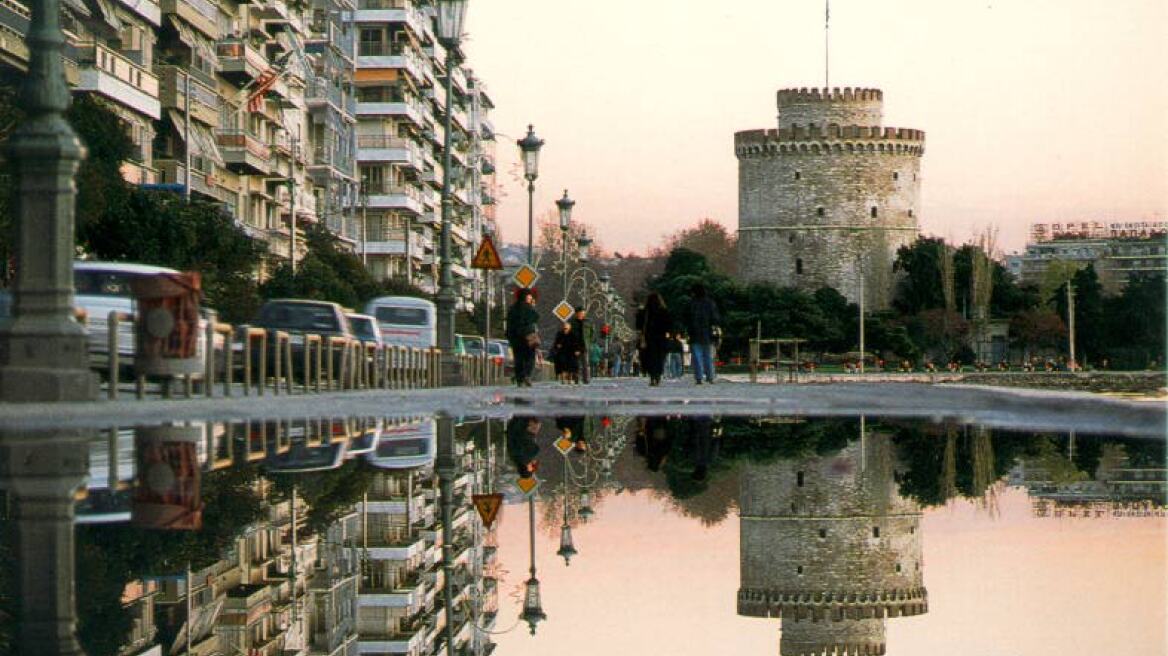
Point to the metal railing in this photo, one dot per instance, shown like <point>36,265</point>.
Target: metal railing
<point>268,363</point>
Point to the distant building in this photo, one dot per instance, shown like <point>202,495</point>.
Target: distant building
<point>1117,250</point>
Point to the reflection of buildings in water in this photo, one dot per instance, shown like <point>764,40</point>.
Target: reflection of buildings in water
<point>830,547</point>
<point>1119,486</point>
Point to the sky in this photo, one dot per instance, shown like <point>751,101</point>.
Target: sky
<point>1034,110</point>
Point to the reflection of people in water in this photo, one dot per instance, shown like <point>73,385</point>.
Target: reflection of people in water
<point>573,429</point>
<point>654,439</point>
<point>704,443</point>
<point>521,445</point>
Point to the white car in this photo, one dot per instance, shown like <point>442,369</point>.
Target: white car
<point>104,287</point>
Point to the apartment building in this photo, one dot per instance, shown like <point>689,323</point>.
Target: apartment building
<point>1116,249</point>
<point>327,111</point>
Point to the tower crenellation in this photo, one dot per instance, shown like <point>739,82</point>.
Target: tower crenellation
<point>828,196</point>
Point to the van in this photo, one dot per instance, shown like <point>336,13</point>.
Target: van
<point>405,320</point>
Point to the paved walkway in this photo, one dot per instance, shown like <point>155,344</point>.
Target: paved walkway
<point>999,407</point>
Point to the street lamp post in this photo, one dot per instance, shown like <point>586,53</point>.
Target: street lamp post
<point>43,350</point>
<point>451,14</point>
<point>529,149</point>
<point>565,206</point>
<point>532,605</point>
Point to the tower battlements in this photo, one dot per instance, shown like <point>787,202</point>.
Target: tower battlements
<point>762,143</point>
<point>835,94</point>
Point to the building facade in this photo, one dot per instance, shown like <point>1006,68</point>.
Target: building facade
<point>828,197</point>
<point>329,111</point>
<point>830,547</point>
<point>1116,249</point>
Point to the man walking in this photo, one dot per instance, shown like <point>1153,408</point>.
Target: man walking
<point>703,317</point>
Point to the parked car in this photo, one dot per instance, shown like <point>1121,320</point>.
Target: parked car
<point>104,287</point>
<point>405,320</point>
<point>364,328</point>
<point>300,317</point>
<point>473,345</point>
<point>500,351</point>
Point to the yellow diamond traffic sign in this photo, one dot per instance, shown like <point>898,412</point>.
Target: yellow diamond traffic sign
<point>527,485</point>
<point>563,311</point>
<point>564,445</point>
<point>525,277</point>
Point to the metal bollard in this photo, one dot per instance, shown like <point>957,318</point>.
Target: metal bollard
<point>228,358</point>
<point>209,365</point>
<point>279,338</point>
<point>112,361</point>
<point>263,361</point>
<point>245,330</point>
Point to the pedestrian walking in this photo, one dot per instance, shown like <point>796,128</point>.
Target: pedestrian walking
<point>655,324</point>
<point>702,321</point>
<point>585,334</point>
<point>523,335</point>
<point>566,354</point>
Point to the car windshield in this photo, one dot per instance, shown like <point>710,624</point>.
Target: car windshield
<point>401,316</point>
<point>496,349</point>
<point>299,316</point>
<point>363,328</point>
<point>473,344</point>
<point>104,283</point>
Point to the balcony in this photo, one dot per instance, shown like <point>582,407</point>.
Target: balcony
<point>137,173</point>
<point>409,594</point>
<point>384,148</point>
<point>411,109</point>
<point>106,72</point>
<point>398,642</point>
<point>173,172</point>
<point>394,11</point>
<point>390,548</point>
<point>320,93</point>
<point>203,15</point>
<point>393,55</point>
<point>239,61</point>
<point>205,103</point>
<point>243,152</point>
<point>404,197</point>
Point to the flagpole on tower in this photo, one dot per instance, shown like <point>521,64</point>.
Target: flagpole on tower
<point>826,35</point>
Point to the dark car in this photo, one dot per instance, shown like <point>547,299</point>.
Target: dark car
<point>299,318</point>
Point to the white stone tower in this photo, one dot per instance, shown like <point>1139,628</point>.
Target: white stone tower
<point>829,546</point>
<point>828,195</point>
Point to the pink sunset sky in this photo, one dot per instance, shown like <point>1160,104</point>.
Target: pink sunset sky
<point>1035,110</point>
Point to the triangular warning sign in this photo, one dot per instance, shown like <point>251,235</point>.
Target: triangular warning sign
<point>488,506</point>
<point>487,257</point>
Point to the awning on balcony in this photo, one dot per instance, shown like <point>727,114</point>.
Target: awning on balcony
<point>203,142</point>
<point>99,10</point>
<point>196,42</point>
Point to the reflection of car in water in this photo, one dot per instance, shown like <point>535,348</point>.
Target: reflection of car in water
<point>366,439</point>
<point>107,496</point>
<point>305,457</point>
<point>406,445</point>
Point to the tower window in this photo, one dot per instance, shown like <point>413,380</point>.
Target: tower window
<point>792,507</point>
<point>822,533</point>
<point>791,239</point>
<point>799,270</point>
<point>873,211</point>
<point>875,531</point>
<point>898,567</point>
<point>798,175</point>
<point>799,569</point>
<point>819,211</point>
<point>910,212</point>
<point>799,475</point>
<point>895,175</point>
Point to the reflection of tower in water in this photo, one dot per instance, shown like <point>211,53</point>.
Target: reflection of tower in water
<point>829,546</point>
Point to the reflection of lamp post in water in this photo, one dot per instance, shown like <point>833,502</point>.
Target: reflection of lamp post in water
<point>532,606</point>
<point>447,472</point>
<point>567,549</point>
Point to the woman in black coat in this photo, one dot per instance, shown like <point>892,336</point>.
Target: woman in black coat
<point>566,353</point>
<point>655,324</point>
<point>523,335</point>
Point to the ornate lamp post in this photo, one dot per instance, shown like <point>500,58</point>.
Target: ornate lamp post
<point>43,351</point>
<point>565,206</point>
<point>451,14</point>
<point>529,149</point>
